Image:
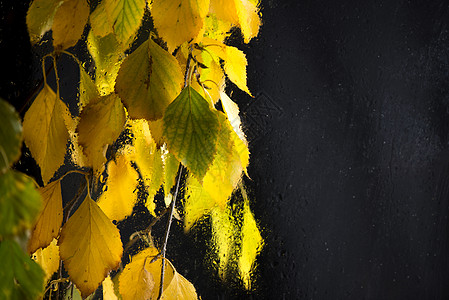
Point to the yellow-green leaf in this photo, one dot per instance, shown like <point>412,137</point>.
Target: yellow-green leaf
<point>148,81</point>
<point>198,203</point>
<point>179,21</point>
<point>20,276</point>
<point>223,238</point>
<point>90,246</point>
<point>87,88</point>
<point>101,123</point>
<point>250,245</point>
<point>118,200</point>
<point>125,17</point>
<point>191,131</point>
<point>107,55</point>
<point>48,259</point>
<point>100,22</point>
<point>47,224</point>
<point>40,18</point>
<point>171,166</point>
<point>20,203</point>
<point>10,136</point>
<point>69,22</point>
<point>45,132</point>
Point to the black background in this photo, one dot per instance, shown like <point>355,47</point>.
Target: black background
<point>349,132</point>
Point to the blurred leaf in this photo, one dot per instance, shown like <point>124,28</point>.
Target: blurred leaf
<point>48,222</point>
<point>20,277</point>
<point>108,289</point>
<point>118,200</point>
<point>10,136</point>
<point>40,18</point>
<point>20,203</point>
<point>90,246</point>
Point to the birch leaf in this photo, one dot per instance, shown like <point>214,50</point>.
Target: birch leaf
<point>179,21</point>
<point>48,222</point>
<point>10,136</point>
<point>235,67</point>
<point>223,231</point>
<point>171,166</point>
<point>40,18</point>
<point>45,132</point>
<point>148,81</point>
<point>118,200</point>
<point>198,203</point>
<point>191,131</point>
<point>90,246</point>
<point>48,259</point>
<point>99,21</point>
<point>101,123</point>
<point>19,203</point>
<point>69,22</point>
<point>108,289</point>
<point>87,88</point>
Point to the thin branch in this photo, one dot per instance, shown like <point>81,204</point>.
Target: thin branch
<point>69,206</point>
<point>167,229</point>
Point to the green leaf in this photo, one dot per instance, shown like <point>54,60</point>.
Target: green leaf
<point>20,203</point>
<point>20,277</point>
<point>148,81</point>
<point>10,136</point>
<point>125,17</point>
<point>40,18</point>
<point>191,131</point>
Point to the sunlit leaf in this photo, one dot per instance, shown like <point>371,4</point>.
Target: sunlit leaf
<point>148,159</point>
<point>69,22</point>
<point>118,200</point>
<point>48,259</point>
<point>178,21</point>
<point>87,88</point>
<point>157,130</point>
<point>217,29</point>
<point>223,238</point>
<point>141,279</point>
<point>20,277</point>
<point>191,131</point>
<point>107,55</point>
<point>108,289</point>
<point>243,13</point>
<point>250,245</point>
<point>48,222</point>
<point>235,67</point>
<point>198,203</point>
<point>171,166</point>
<point>125,17</point>
<point>20,203</point>
<point>10,136</point>
<point>90,246</point>
<point>40,18</point>
<point>45,132</point>
<point>148,81</point>
<point>101,123</point>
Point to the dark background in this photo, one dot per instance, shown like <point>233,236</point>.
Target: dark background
<point>349,139</point>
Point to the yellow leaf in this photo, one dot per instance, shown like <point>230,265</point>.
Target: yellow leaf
<point>87,88</point>
<point>249,20</point>
<point>101,123</point>
<point>179,21</point>
<point>243,13</point>
<point>47,224</point>
<point>148,81</point>
<point>40,18</point>
<point>107,55</point>
<point>141,279</point>
<point>250,245</point>
<point>171,166</point>
<point>217,29</point>
<point>125,17</point>
<point>108,289</point>
<point>45,132</point>
<point>48,259</point>
<point>157,129</point>
<point>148,159</point>
<point>136,282</point>
<point>90,246</point>
<point>69,22</point>
<point>118,200</point>
<point>191,131</point>
<point>235,67</point>
<point>212,77</point>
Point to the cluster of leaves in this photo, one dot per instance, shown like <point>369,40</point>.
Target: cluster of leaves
<point>168,97</point>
